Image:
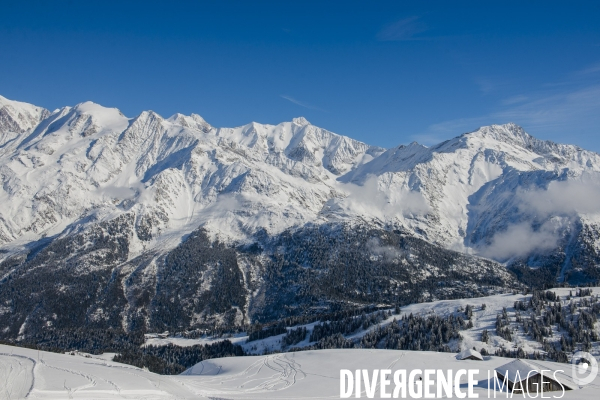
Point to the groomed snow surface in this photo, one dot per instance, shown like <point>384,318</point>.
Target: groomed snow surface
<point>26,373</point>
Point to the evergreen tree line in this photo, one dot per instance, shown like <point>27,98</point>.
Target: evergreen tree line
<point>86,280</point>
<point>169,359</point>
<point>258,333</point>
<point>430,333</point>
<point>346,326</point>
<point>275,328</point>
<point>503,325</point>
<point>294,336</point>
<point>546,315</point>
<point>172,359</point>
<point>93,341</point>
<point>550,354</point>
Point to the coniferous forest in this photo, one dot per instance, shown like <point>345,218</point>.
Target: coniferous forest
<point>342,277</point>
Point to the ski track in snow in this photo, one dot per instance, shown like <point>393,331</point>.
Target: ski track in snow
<point>257,377</point>
<point>299,375</point>
<point>60,376</point>
<point>17,375</point>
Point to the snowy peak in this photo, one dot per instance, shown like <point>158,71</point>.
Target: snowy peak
<point>90,163</point>
<point>87,119</point>
<point>193,121</point>
<point>301,142</point>
<point>512,139</point>
<point>17,118</point>
<point>173,174</point>
<point>300,121</point>
<point>485,188</point>
<point>338,154</point>
<point>509,133</point>
<point>503,137</point>
<point>397,159</point>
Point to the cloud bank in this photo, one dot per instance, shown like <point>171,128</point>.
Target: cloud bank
<point>563,198</point>
<point>548,213</point>
<point>520,240</point>
<point>368,199</point>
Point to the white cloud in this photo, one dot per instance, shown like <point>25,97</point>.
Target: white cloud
<point>387,252</point>
<point>486,85</point>
<point>368,199</point>
<point>226,203</point>
<point>555,112</point>
<point>300,103</point>
<point>590,69</point>
<point>520,240</point>
<point>515,100</point>
<point>402,30</point>
<point>557,206</point>
<point>121,192</point>
<point>563,198</point>
<point>551,114</point>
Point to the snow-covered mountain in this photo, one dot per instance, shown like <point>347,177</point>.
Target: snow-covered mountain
<point>91,163</point>
<point>497,191</point>
<point>87,189</point>
<point>88,162</point>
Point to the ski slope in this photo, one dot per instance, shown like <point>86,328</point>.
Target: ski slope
<point>301,375</point>
<point>482,319</point>
<point>27,373</point>
<point>316,374</point>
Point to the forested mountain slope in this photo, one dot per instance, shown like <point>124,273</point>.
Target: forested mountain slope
<point>153,223</point>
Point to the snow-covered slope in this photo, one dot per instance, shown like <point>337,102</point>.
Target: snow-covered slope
<point>91,163</point>
<point>485,311</point>
<point>174,174</point>
<point>477,184</point>
<point>304,375</point>
<point>316,374</point>
<point>33,374</point>
<point>17,117</point>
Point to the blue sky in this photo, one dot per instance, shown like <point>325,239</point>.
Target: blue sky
<point>386,73</point>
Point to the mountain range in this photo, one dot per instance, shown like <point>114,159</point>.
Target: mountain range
<point>159,223</point>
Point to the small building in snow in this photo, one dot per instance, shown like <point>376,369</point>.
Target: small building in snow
<point>527,378</point>
<point>469,354</point>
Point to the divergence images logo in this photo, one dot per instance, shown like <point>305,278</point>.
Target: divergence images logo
<point>585,368</point>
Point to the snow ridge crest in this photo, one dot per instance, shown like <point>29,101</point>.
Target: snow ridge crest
<point>91,163</point>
